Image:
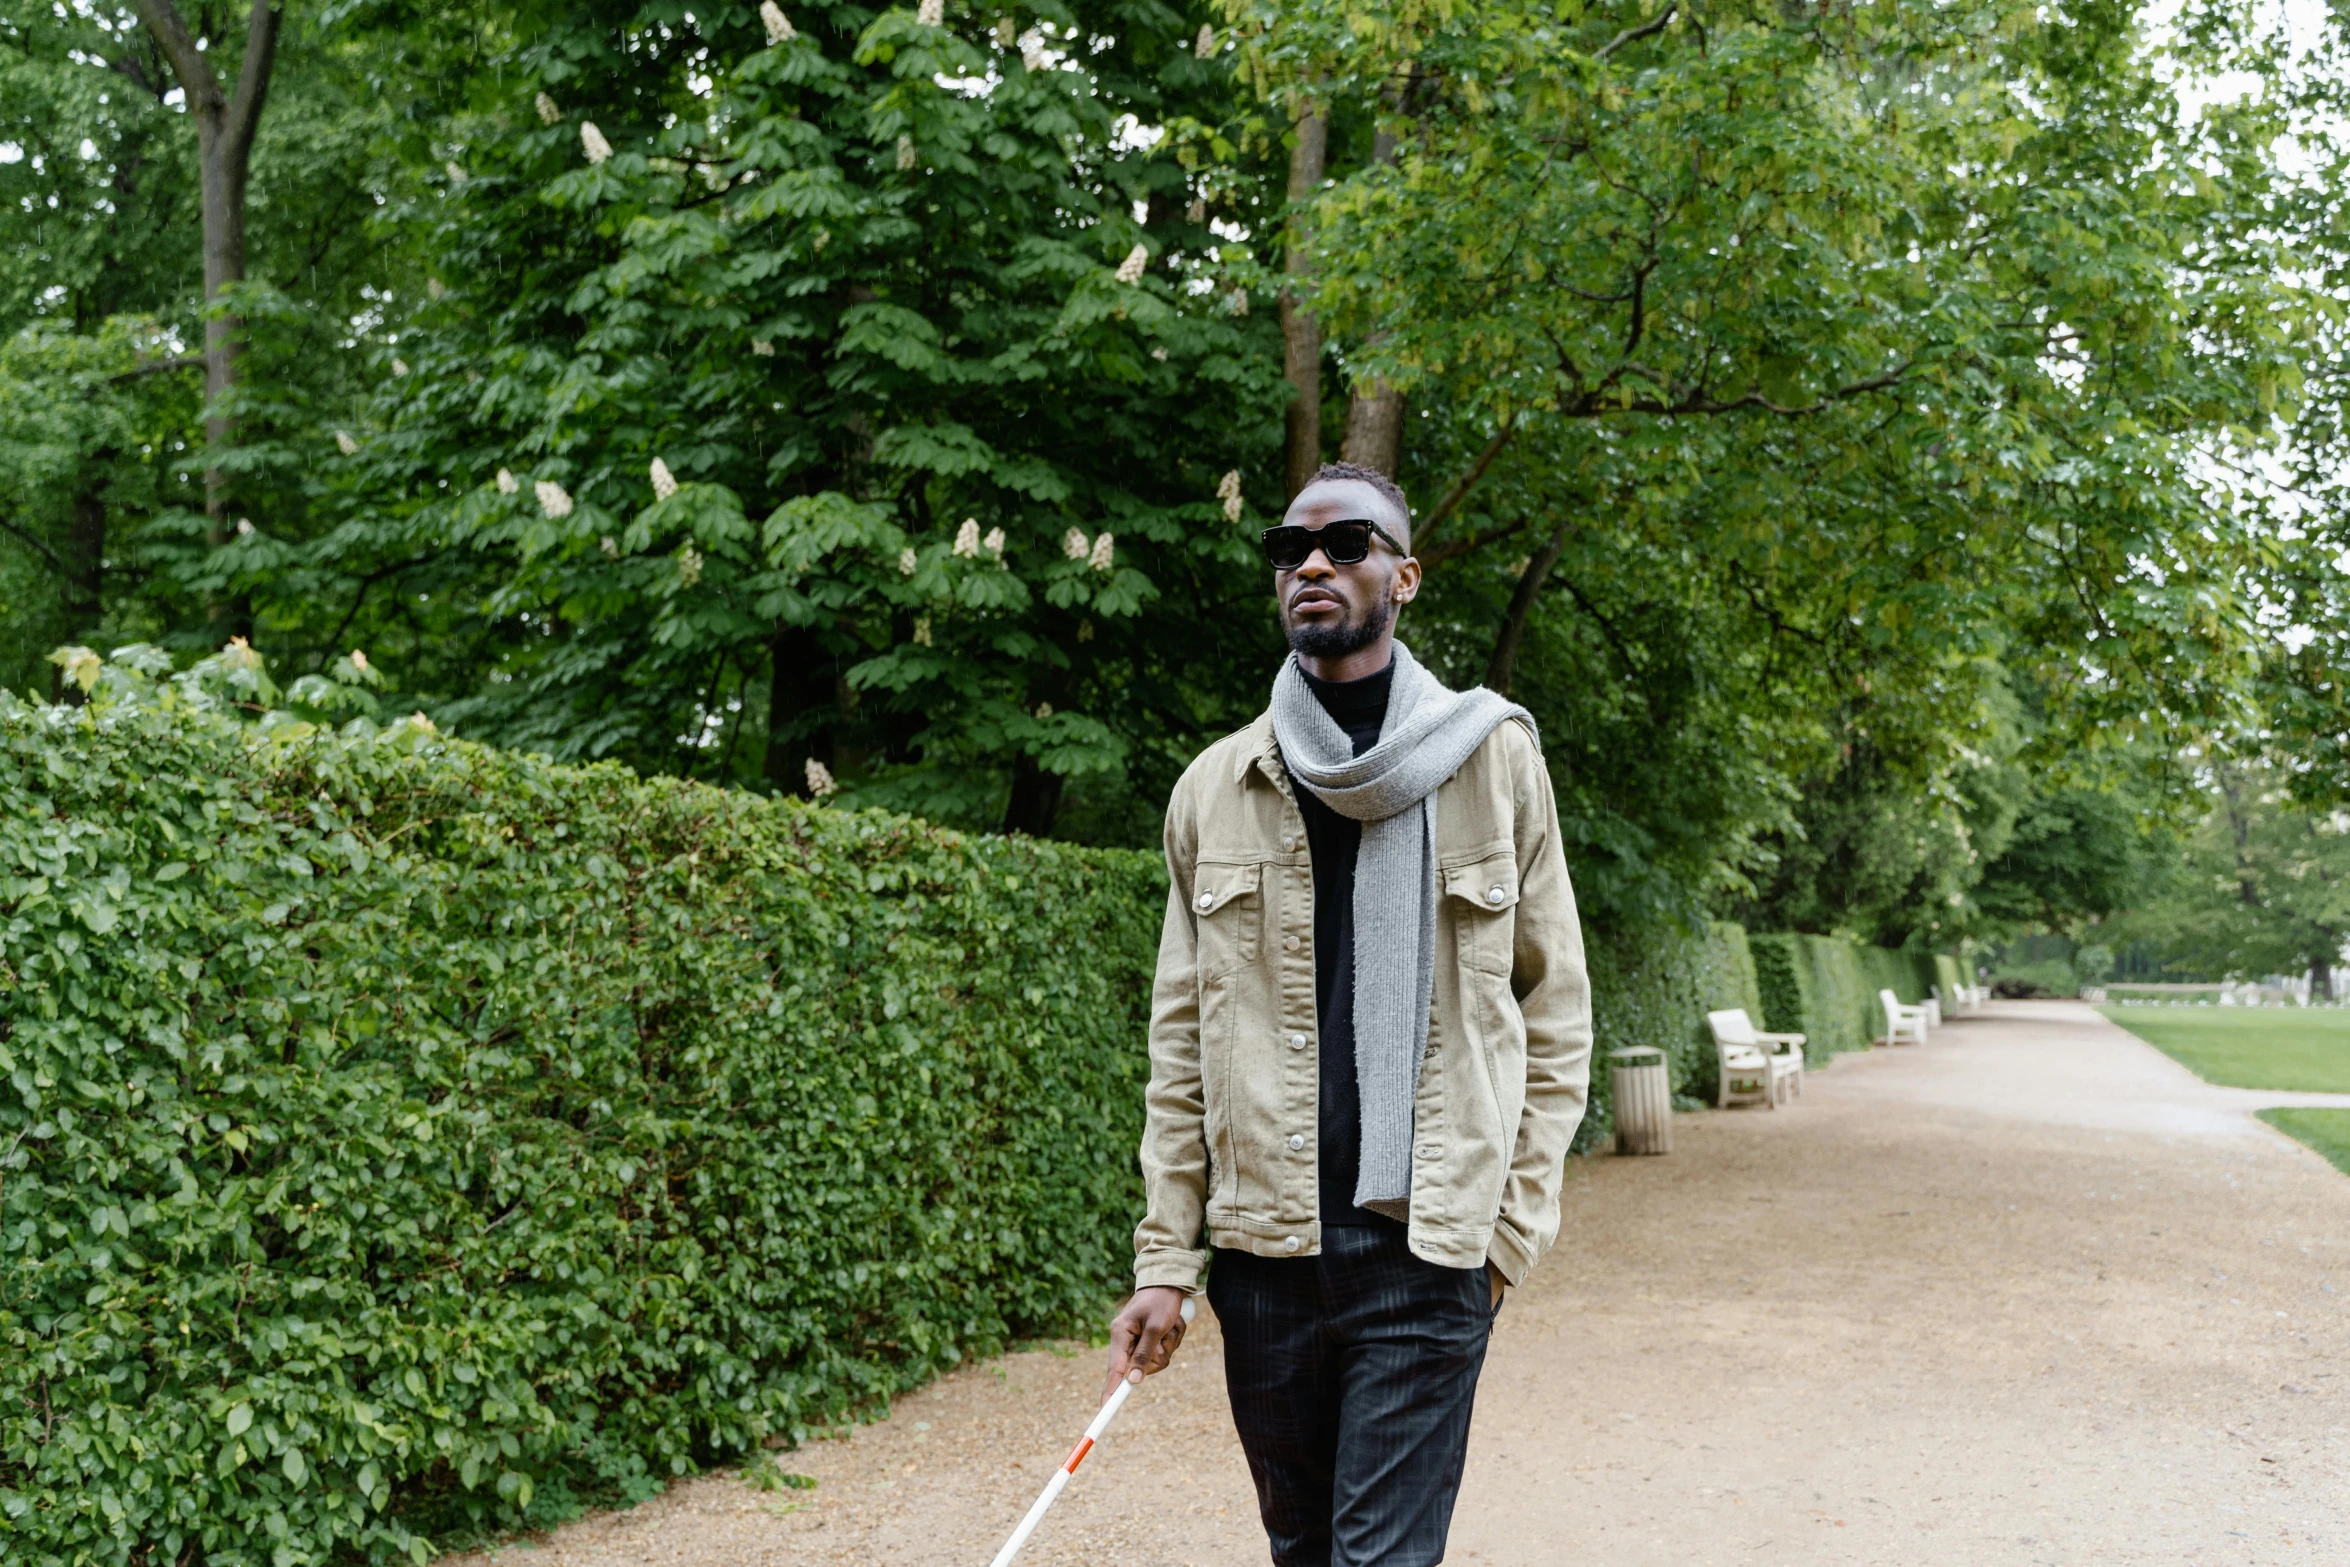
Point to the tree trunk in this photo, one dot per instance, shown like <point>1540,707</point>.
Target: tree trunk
<point>1301,335</point>
<point>2321,978</point>
<point>1374,411</point>
<point>224,152</point>
<point>1036,798</point>
<point>1374,428</point>
<point>83,559</point>
<point>800,681</point>
<point>1502,668</point>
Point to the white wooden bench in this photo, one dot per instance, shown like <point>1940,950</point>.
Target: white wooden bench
<point>1773,1060</point>
<point>1904,1025</point>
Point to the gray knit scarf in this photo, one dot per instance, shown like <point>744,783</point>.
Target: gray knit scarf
<point>1391,789</point>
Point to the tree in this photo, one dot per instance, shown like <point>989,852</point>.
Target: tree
<point>849,386</point>
<point>225,125</point>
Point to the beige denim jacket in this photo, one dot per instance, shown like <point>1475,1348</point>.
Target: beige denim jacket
<point>1230,1144</point>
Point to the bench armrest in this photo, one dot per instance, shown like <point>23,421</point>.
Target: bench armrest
<point>1782,1039</point>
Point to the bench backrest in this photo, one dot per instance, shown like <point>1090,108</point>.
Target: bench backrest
<point>1732,1027</point>
<point>1892,1005</point>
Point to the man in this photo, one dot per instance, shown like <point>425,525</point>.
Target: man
<point>1370,1044</point>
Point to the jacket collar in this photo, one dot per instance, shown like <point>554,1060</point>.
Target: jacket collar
<point>1262,752</point>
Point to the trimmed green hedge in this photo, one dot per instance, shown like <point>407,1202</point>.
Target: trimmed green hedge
<point>1826,987</point>
<point>1653,986</point>
<point>405,1138</point>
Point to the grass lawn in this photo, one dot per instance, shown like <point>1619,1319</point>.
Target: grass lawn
<point>2251,1047</point>
<point>2327,1131</point>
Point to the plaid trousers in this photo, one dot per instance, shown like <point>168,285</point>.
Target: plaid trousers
<point>1352,1375</point>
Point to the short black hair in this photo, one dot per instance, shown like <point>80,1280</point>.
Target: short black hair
<point>1370,476</point>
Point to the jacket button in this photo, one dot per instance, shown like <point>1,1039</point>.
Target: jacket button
<point>1291,943</point>
<point>1288,842</point>
<point>1291,1244</point>
<point>1297,1041</point>
<point>1297,1140</point>
<point>1494,895</point>
<point>1207,901</point>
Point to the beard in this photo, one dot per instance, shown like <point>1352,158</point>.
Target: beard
<point>1337,639</point>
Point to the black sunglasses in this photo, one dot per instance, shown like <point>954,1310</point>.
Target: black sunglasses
<point>1345,541</point>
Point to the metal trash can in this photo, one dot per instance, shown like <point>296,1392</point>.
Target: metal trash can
<point>1644,1100</point>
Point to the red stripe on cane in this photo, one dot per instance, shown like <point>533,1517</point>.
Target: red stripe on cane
<point>1084,1446</point>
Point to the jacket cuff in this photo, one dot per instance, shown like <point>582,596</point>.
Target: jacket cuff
<point>1508,1256</point>
<point>1169,1270</point>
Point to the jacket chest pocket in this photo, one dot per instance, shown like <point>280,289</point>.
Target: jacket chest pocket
<point>1482,897</point>
<point>1228,908</point>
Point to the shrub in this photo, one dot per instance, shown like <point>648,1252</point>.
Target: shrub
<point>1653,985</point>
<point>405,1137</point>
<point>1826,987</point>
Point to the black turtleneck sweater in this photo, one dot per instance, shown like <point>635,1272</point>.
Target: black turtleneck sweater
<point>1360,707</point>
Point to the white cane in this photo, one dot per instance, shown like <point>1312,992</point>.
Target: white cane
<point>1060,1480</point>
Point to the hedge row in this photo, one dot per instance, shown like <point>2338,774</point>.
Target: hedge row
<point>1826,987</point>
<point>1654,986</point>
<point>403,1138</point>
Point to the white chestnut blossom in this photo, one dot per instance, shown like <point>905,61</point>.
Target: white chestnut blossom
<point>554,500</point>
<point>592,139</point>
<point>967,539</point>
<point>906,158</point>
<point>345,445</point>
<point>1032,49</point>
<point>779,28</point>
<point>1130,270</point>
<point>1240,301</point>
<point>244,527</point>
<point>1044,710</point>
<point>81,665</point>
<point>456,174</point>
<point>994,543</point>
<point>931,13</point>
<point>399,367</point>
<point>1205,44</point>
<point>820,781</point>
<point>664,482</point>
<point>763,348</point>
<point>1197,212</point>
<point>507,483</point>
<point>1073,544</point>
<point>610,547</point>
<point>1105,550</point>
<point>922,631</point>
<point>359,661</point>
<point>908,561</point>
<point>1005,27</point>
<point>1228,491</point>
<point>1160,354</point>
<point>689,566</point>
<point>547,110</point>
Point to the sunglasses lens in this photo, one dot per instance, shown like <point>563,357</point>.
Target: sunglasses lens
<point>1345,543</point>
<point>1287,548</point>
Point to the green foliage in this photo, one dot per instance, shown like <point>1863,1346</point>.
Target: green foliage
<point>2261,885</point>
<point>1652,986</point>
<point>1825,987</point>
<point>404,1138</point>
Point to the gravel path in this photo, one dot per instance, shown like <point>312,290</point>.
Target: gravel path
<point>2028,1294</point>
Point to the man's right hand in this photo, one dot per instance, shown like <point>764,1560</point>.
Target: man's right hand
<point>1143,1335</point>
